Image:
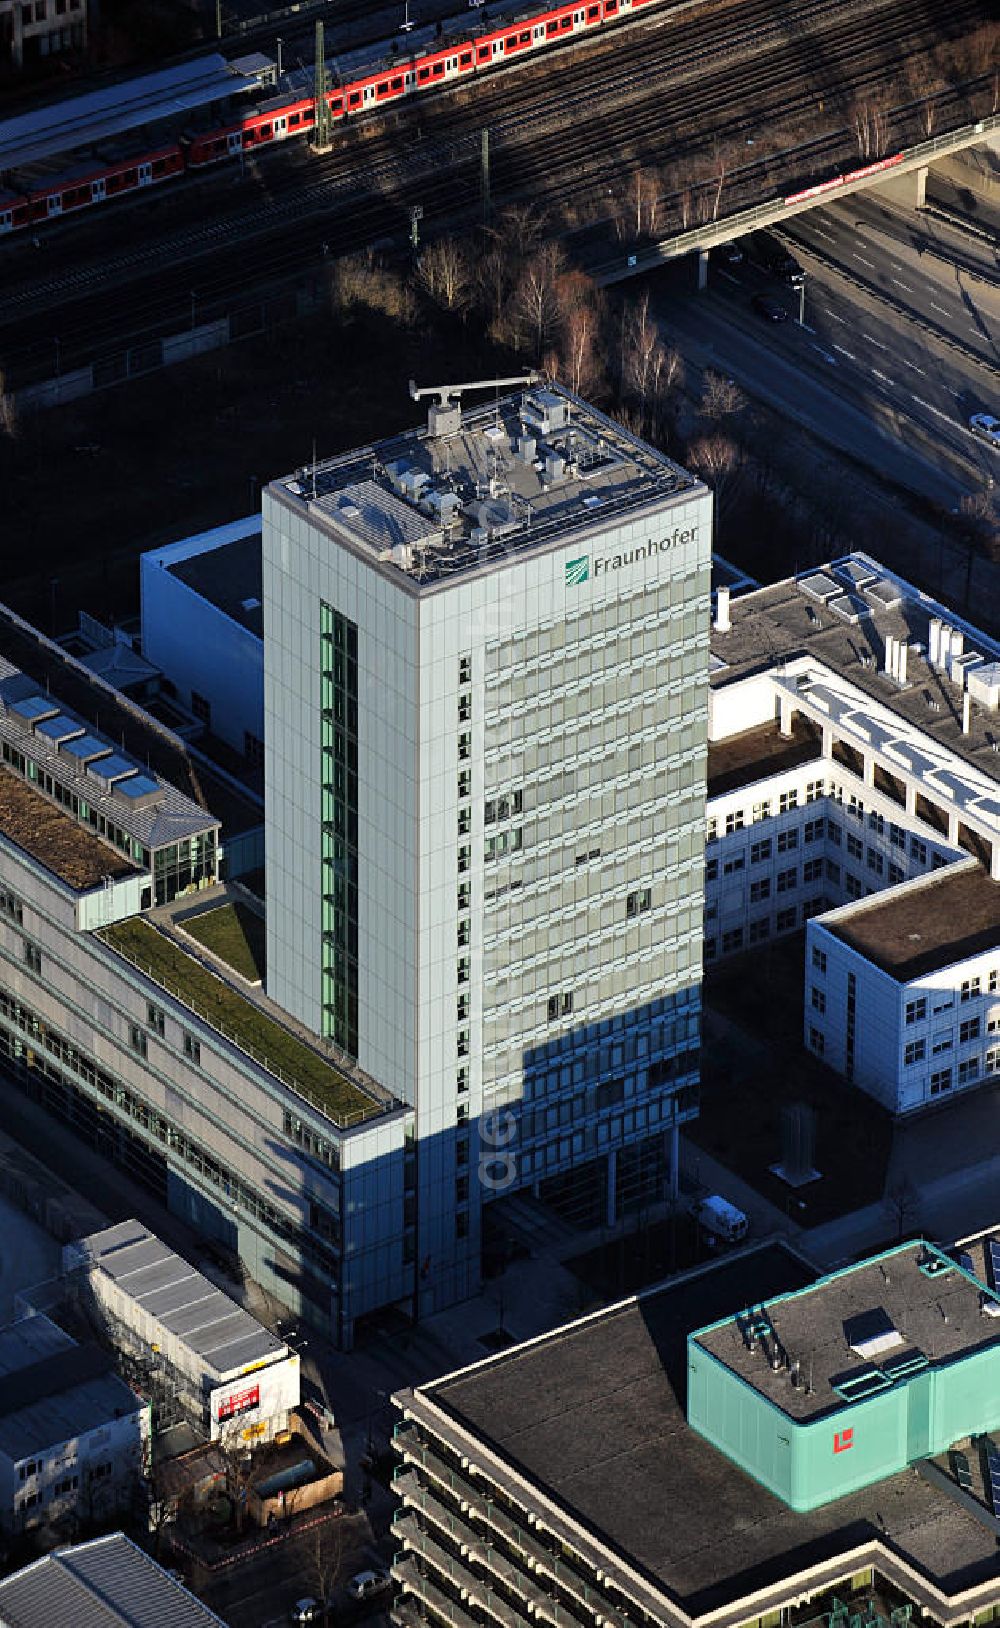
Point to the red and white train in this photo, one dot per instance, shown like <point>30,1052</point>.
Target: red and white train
<point>95,180</point>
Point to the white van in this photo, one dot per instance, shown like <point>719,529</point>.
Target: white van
<point>720,1219</point>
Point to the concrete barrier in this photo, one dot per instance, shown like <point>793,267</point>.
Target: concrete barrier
<point>195,341</point>
<point>53,392</point>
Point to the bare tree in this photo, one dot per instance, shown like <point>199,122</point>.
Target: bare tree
<point>238,1463</point>
<point>580,364</point>
<point>871,129</point>
<point>642,339</point>
<point>444,273</point>
<point>903,1203</point>
<point>323,1558</point>
<point>982,55</point>
<point>644,202</point>
<point>722,163</point>
<point>717,458</point>
<point>720,397</point>
<point>520,229</point>
<point>536,299</point>
<point>679,185</point>
<point>9,424</point>
<point>924,84</point>
<point>364,282</point>
<point>493,282</point>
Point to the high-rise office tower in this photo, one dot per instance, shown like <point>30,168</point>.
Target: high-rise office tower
<point>486,674</point>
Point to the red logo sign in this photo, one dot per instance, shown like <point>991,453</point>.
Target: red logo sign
<point>842,1440</point>
<point>239,1402</point>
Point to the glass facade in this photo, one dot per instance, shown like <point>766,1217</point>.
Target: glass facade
<point>339,794</point>
<point>184,864</point>
<point>77,1088</point>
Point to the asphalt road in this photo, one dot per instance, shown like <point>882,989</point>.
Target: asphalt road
<point>861,373</point>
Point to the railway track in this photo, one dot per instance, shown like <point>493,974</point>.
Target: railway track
<point>287,231</point>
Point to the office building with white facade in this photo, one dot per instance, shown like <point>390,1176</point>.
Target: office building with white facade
<point>74,1438</point>
<point>486,650</point>
<point>854,790</point>
<point>486,694</point>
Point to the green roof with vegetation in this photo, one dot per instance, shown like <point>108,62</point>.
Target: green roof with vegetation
<point>235,934</point>
<point>236,1017</point>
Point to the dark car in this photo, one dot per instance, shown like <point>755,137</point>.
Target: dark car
<point>731,254</point>
<point>770,310</point>
<point>769,254</point>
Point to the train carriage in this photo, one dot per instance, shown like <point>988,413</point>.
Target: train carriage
<point>293,113</point>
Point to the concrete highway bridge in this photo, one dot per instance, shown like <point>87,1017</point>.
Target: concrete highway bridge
<point>906,170</point>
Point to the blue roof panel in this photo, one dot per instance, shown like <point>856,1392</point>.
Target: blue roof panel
<point>139,785</point>
<point>59,728</point>
<point>86,746</point>
<point>111,768</point>
<point>35,706</point>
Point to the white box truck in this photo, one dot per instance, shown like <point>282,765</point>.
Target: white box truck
<point>720,1219</point>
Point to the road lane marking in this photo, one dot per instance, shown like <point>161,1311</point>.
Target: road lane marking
<point>876,342</point>
<point>942,308</point>
<point>863,261</point>
<point>849,354</point>
<point>820,232</point>
<point>913,366</point>
<point>939,414</point>
<point>883,376</point>
<point>834,318</point>
<point>898,284</point>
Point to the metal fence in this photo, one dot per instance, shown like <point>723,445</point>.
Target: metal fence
<point>147,353</point>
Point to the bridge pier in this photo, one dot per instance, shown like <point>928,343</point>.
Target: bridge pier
<point>909,189</point>
<point>702,269</point>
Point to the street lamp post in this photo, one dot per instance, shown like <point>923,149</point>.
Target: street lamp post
<point>280,44</point>
<point>799,283</point>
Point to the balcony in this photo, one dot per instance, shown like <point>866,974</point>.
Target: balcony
<point>407,1574</point>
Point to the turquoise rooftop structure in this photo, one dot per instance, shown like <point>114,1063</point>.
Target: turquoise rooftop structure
<point>830,1389</point>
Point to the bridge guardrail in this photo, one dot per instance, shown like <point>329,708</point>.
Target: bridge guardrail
<point>707,234</point>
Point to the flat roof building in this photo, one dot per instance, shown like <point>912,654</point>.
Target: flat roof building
<point>854,790</point>
<point>570,1478</point>
<point>74,1439</point>
<point>125,1026</point>
<point>485,661</point>
<point>203,626</point>
<point>226,1366</point>
<point>834,1387</point>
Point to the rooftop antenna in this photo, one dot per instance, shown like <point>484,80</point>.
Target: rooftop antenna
<point>445,414</point>
<point>314,467</point>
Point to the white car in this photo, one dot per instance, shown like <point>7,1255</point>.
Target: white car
<point>366,1583</point>
<point>987,426</point>
<point>305,1611</point>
